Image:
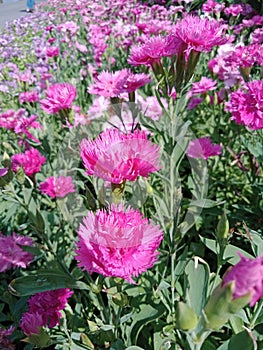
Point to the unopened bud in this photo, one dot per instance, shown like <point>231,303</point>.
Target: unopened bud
<point>186,318</point>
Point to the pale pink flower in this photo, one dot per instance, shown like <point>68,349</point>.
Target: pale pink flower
<point>150,106</point>
<point>246,105</point>
<point>31,161</point>
<point>117,243</point>
<point>152,50</point>
<point>28,96</point>
<point>11,253</point>
<point>198,34</point>
<point>52,51</point>
<point>110,84</point>
<point>58,96</point>
<point>202,86</point>
<point>115,156</point>
<point>44,310</point>
<point>57,187</point>
<point>203,148</point>
<point>248,277</point>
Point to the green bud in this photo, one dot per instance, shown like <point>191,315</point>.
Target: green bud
<point>121,299</point>
<point>222,229</point>
<point>221,306</point>
<point>186,318</point>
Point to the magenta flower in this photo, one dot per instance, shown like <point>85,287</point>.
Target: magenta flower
<point>110,84</point>
<point>198,34</point>
<point>115,156</point>
<point>3,171</point>
<point>203,148</point>
<point>28,96</point>
<point>5,342</point>
<point>58,96</point>
<point>57,187</point>
<point>52,51</point>
<point>117,243</point>
<point>152,50</point>
<point>31,161</point>
<point>44,310</point>
<point>202,86</point>
<point>248,277</point>
<point>11,253</point>
<point>246,106</point>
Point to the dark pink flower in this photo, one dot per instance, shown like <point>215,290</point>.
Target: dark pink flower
<point>117,243</point>
<point>57,187</point>
<point>3,171</point>
<point>31,161</point>
<point>52,51</point>
<point>44,310</point>
<point>5,342</point>
<point>203,148</point>
<point>152,50</point>
<point>194,102</point>
<point>11,253</point>
<point>28,96</point>
<point>246,105</point>
<point>248,277</point>
<point>58,96</point>
<point>115,156</point>
<point>198,34</point>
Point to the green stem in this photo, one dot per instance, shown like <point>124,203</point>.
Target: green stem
<point>256,314</point>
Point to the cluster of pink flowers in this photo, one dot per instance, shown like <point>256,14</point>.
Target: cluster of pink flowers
<point>118,243</point>
<point>58,97</point>
<point>115,156</point>
<point>19,122</point>
<point>44,310</point>
<point>11,253</point>
<point>31,161</point>
<point>57,187</point>
<point>109,84</point>
<point>248,277</point>
<point>203,148</point>
<point>246,105</point>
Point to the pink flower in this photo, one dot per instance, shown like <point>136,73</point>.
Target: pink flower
<point>248,277</point>
<point>58,96</point>
<point>198,34</point>
<point>110,84</point>
<point>115,156</point>
<point>57,187</point>
<point>194,102</point>
<point>3,171</point>
<point>28,96</point>
<point>234,10</point>
<point>44,310</point>
<point>203,148</point>
<point>11,253</point>
<point>5,342</point>
<point>117,243</point>
<point>31,161</point>
<point>202,86</point>
<point>31,322</point>
<point>246,106</point>
<point>152,50</point>
<point>52,51</point>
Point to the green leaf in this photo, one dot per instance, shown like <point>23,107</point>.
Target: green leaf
<point>43,281</point>
<point>205,203</point>
<point>197,273</point>
<point>239,341</point>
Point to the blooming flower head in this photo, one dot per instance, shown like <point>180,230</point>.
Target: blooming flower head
<point>28,96</point>
<point>58,96</point>
<point>11,253</point>
<point>248,277</point>
<point>115,156</point>
<point>5,342</point>
<point>52,51</point>
<point>202,86</point>
<point>246,105</point>
<point>117,243</point>
<point>44,310</point>
<point>31,161</point>
<point>198,34</point>
<point>152,50</point>
<point>203,148</point>
<point>110,84</point>
<point>57,187</point>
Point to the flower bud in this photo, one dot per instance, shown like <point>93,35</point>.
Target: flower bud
<point>185,317</point>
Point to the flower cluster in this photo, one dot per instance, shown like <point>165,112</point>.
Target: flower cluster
<point>11,251</point>
<point>57,187</point>
<point>31,161</point>
<point>115,156</point>
<point>246,105</point>
<point>203,148</point>
<point>44,310</point>
<point>118,243</point>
